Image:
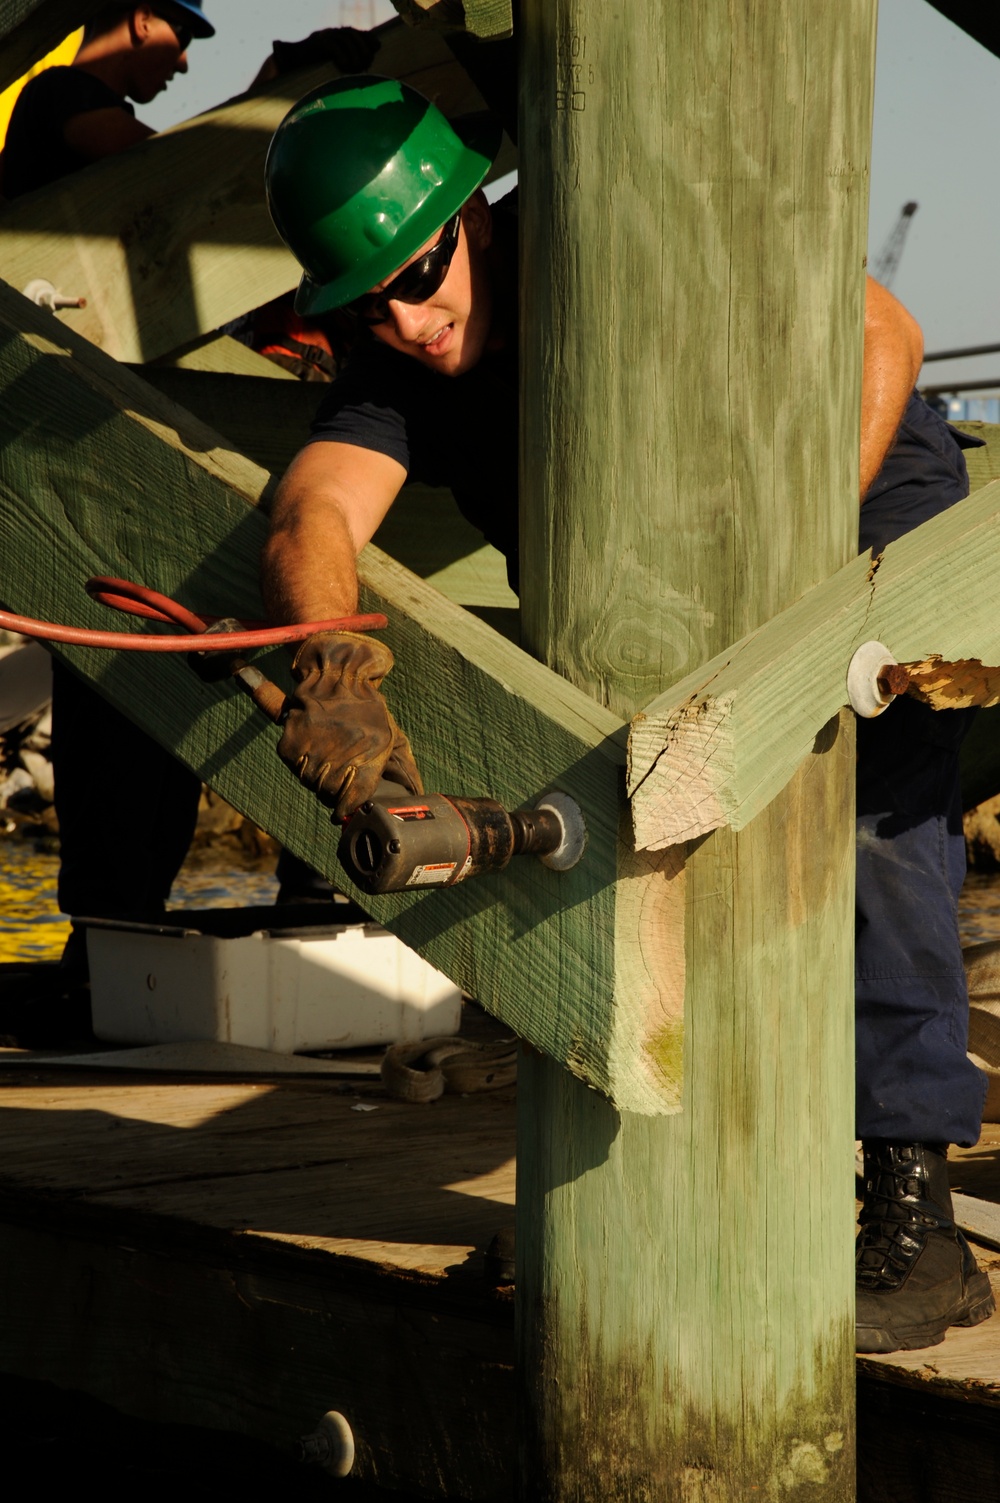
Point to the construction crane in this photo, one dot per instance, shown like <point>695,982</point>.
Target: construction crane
<point>886,263</point>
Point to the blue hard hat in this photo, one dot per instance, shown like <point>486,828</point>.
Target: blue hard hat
<point>192,15</point>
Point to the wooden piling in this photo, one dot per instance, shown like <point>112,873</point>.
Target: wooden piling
<point>694,202</point>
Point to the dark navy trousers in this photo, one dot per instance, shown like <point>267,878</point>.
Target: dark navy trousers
<point>915,1081</point>
<point>126,808</point>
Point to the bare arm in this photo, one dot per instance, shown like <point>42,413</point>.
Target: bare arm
<point>894,351</point>
<point>103,133</point>
<point>327,507</point>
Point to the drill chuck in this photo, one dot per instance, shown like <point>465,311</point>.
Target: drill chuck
<point>398,840</point>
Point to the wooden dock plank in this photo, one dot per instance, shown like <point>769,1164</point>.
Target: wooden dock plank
<point>245,1256</point>
<point>967,1362</point>
<point>297,1165</point>
<point>187,1337</point>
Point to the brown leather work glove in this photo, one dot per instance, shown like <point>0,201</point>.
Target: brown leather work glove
<point>339,737</point>
<point>348,49</point>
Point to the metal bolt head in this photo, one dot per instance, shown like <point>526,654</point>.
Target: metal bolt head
<point>331,1445</point>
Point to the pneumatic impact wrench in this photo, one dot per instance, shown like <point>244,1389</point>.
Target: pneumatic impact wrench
<point>398,841</point>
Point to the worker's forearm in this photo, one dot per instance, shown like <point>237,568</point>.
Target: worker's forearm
<point>308,568</point>
<point>893,355</point>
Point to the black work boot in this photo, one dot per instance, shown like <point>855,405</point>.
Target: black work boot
<point>916,1274</point>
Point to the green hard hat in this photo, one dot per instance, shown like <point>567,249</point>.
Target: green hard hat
<point>360,174</point>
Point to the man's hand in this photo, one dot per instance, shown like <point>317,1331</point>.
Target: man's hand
<point>340,738</point>
<point>349,50</point>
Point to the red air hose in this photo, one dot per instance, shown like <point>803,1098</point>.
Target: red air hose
<point>137,600</point>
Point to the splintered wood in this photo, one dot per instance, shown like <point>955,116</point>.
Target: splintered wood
<point>768,696</point>
<point>957,685</point>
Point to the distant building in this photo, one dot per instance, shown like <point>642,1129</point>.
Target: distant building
<point>978,409</point>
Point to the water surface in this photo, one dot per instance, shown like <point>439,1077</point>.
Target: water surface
<point>32,928</point>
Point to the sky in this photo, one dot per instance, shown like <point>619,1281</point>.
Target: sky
<point>937,122</point>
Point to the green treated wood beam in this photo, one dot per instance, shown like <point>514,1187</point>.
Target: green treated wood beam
<point>266,420</point>
<point>101,474</point>
<point>721,744</point>
<point>172,238</point>
<point>486,19</point>
<point>693,212</point>
<point>983,464</point>
<point>31,28</point>
<point>981,747</point>
<point>222,355</point>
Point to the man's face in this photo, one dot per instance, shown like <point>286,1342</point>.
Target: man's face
<point>448,332</point>
<point>161,53</point>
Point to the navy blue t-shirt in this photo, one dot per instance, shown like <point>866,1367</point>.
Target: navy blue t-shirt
<point>923,473</point>
<point>35,151</point>
<point>458,431</point>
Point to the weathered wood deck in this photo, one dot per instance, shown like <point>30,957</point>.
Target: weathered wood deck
<point>929,1422</point>
<point>246,1255</point>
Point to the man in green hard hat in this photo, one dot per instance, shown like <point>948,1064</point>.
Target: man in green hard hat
<point>379,198</point>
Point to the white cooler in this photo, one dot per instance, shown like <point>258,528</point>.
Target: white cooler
<point>243,976</point>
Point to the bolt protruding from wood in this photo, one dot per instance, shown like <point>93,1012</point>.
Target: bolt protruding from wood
<point>43,293</point>
<point>893,679</point>
<point>871,676</point>
<point>331,1445</point>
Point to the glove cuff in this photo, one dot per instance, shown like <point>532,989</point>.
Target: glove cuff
<point>345,653</point>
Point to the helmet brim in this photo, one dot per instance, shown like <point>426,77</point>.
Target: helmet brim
<point>194,19</point>
<point>481,135</point>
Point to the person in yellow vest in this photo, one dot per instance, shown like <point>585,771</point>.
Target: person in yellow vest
<point>65,119</point>
<point>57,58</point>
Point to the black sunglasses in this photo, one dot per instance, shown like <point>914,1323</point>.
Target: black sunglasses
<point>415,283</point>
<point>181,32</point>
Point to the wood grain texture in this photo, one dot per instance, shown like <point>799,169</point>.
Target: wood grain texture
<point>245,1252</point>
<point>222,354</point>
<point>221,383</point>
<point>187,1341</point>
<point>966,1360</point>
<point>704,755</point>
<point>266,420</point>
<point>983,465</point>
<point>172,238</point>
<point>100,474</point>
<point>981,748</point>
<point>693,200</point>
<point>916,1445</point>
<point>31,28</point>
<point>288,1163</point>
<point>257,1255</point>
<point>720,743</point>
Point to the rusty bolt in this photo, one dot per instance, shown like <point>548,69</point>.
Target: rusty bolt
<point>893,679</point>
